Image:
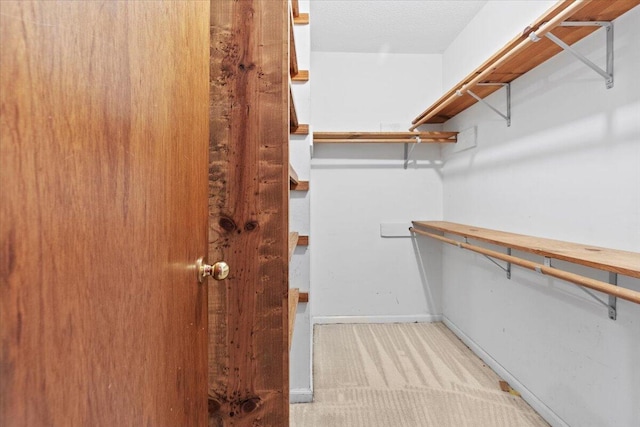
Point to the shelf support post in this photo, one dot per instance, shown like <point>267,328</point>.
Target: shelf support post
<point>608,74</point>
<point>506,117</point>
<point>613,301</point>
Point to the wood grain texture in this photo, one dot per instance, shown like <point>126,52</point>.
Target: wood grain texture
<point>300,129</point>
<point>616,261</point>
<point>293,176</point>
<point>300,186</point>
<point>587,282</point>
<point>295,8</point>
<point>293,115</point>
<point>293,242</point>
<point>300,76</point>
<point>294,295</point>
<point>293,56</point>
<point>103,212</point>
<point>301,19</point>
<point>248,208</point>
<point>529,58</point>
<point>384,137</point>
<point>303,240</point>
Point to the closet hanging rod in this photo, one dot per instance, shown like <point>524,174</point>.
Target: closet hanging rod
<point>385,141</point>
<point>597,285</point>
<point>542,31</point>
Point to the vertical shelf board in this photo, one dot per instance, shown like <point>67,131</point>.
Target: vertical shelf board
<point>249,211</point>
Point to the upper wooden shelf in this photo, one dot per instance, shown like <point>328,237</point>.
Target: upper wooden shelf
<point>523,54</point>
<point>384,137</point>
<point>615,261</point>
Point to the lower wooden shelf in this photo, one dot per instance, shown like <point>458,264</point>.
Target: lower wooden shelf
<point>611,260</point>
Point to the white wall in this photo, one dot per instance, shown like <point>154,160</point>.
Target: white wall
<point>357,275</point>
<point>300,357</point>
<point>567,168</point>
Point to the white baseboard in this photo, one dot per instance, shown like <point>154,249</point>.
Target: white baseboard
<point>300,395</point>
<point>539,406</point>
<point>408,318</point>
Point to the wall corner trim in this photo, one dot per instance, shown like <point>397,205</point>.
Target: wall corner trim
<point>301,395</point>
<point>538,405</point>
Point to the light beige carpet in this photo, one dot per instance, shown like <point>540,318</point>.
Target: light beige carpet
<point>404,375</point>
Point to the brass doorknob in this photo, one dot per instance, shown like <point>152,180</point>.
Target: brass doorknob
<point>219,270</point>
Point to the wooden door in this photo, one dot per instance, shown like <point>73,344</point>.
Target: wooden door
<point>103,212</point>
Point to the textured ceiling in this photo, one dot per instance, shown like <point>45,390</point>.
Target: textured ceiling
<point>388,26</point>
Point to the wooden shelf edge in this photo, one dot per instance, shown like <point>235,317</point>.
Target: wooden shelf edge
<point>300,76</point>
<point>300,186</point>
<point>303,297</point>
<point>295,8</point>
<point>303,240</point>
<point>384,137</point>
<point>294,296</point>
<point>301,19</point>
<point>612,260</point>
<point>301,129</point>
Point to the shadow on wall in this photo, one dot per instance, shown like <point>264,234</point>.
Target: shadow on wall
<point>375,156</point>
<point>428,255</point>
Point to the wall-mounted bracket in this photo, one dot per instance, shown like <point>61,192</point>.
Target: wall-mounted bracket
<point>613,301</point>
<point>608,74</point>
<point>506,117</point>
<point>506,269</point>
<point>408,152</point>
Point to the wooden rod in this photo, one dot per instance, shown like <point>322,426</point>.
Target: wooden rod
<point>383,135</point>
<point>544,29</point>
<point>607,288</point>
<point>384,141</point>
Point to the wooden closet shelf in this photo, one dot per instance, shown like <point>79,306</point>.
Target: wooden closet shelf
<point>301,129</point>
<point>293,176</point>
<point>384,137</point>
<point>611,260</point>
<point>293,242</point>
<point>301,76</point>
<point>293,56</point>
<point>293,115</point>
<point>522,54</point>
<point>303,240</point>
<point>294,296</point>
<point>301,19</point>
<point>300,186</point>
<point>303,297</point>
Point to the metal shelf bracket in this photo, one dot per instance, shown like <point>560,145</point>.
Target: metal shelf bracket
<point>506,269</point>
<point>608,74</point>
<point>506,117</point>
<point>408,152</point>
